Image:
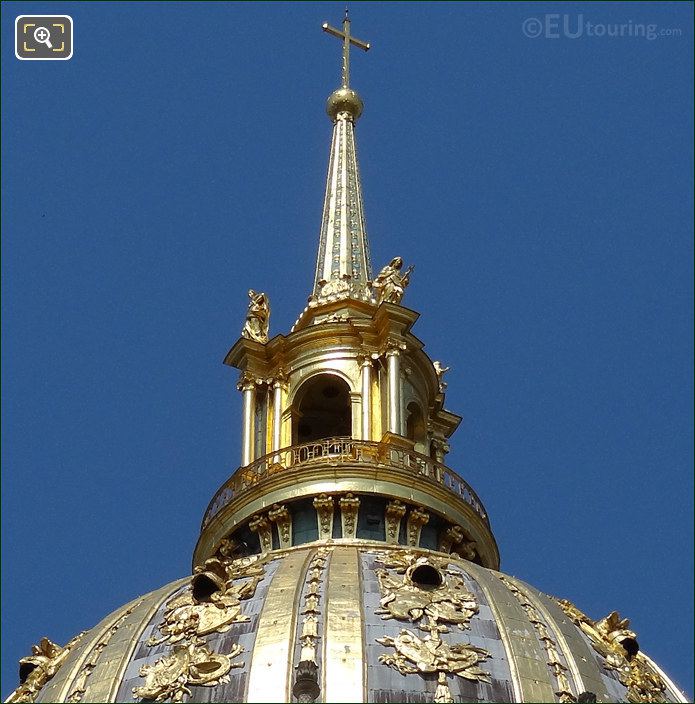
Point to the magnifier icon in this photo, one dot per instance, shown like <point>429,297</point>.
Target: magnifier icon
<point>43,36</point>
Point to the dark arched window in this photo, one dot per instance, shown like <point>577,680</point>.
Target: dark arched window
<point>322,410</point>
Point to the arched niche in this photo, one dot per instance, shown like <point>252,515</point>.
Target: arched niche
<point>321,409</point>
<point>416,427</point>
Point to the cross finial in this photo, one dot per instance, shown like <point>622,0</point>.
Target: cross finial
<point>347,40</point>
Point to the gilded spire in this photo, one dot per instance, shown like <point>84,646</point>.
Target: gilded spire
<point>343,269</point>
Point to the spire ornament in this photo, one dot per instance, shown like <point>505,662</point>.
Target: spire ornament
<point>347,41</point>
<point>343,268</point>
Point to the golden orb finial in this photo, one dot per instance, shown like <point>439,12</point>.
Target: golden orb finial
<point>345,100</point>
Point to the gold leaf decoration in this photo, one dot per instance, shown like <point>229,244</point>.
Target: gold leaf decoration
<point>169,678</point>
<point>188,618</point>
<point>617,644</point>
<point>428,594</point>
<point>38,668</point>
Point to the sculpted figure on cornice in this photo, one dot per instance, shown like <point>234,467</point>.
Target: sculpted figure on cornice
<point>390,284</point>
<point>257,317</point>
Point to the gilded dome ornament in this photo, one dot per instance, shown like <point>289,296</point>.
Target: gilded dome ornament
<point>37,669</point>
<point>430,595</point>
<point>617,644</point>
<point>188,618</point>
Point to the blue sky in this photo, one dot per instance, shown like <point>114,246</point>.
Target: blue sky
<point>542,186</point>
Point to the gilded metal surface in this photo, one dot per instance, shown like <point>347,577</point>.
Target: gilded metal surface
<point>522,652</point>
<point>270,672</point>
<point>248,389</point>
<point>390,283</point>
<point>349,506</point>
<point>125,641</point>
<point>676,694</point>
<point>617,644</point>
<point>79,684</point>
<point>344,676</point>
<point>38,668</point>
<point>405,598</point>
<point>395,510</point>
<point>579,655</point>
<point>279,384</point>
<point>187,620</point>
<point>394,388</point>
<point>429,605</point>
<point>343,268</point>
<point>257,318</point>
<point>324,506</point>
<point>563,690</point>
<point>417,518</point>
<point>366,398</point>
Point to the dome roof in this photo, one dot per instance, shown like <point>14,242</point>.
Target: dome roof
<point>347,621</point>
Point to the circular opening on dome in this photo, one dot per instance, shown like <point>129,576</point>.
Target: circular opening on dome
<point>330,391</point>
<point>203,588</point>
<point>631,647</point>
<point>426,577</point>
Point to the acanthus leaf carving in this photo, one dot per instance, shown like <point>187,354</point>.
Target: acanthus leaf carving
<point>349,506</point>
<point>417,518</point>
<point>324,506</point>
<point>283,520</point>
<point>395,510</point>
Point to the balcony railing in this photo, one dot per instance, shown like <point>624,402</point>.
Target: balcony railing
<point>335,452</point>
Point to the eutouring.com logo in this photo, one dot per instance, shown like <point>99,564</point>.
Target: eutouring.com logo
<point>557,26</point>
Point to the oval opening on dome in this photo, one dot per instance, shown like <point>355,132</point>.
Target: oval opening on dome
<point>426,577</point>
<point>203,587</point>
<point>631,647</point>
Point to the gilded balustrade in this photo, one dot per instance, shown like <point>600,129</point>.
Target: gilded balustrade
<point>338,451</point>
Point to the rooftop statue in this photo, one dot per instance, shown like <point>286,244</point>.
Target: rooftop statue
<point>257,317</point>
<point>390,284</point>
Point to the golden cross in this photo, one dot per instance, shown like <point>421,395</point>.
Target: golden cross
<point>347,40</point>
